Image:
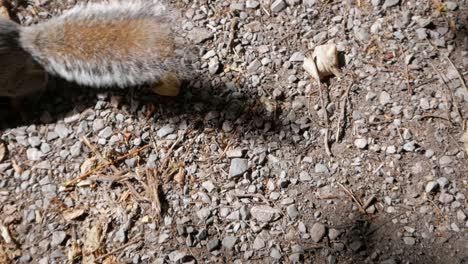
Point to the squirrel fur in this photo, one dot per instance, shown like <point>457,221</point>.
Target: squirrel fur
<point>118,44</point>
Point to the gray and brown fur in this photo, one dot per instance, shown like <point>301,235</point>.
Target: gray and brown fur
<point>122,43</point>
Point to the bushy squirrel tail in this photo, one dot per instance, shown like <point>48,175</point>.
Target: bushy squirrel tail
<point>122,43</point>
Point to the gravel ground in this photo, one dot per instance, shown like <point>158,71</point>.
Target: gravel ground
<point>235,170</point>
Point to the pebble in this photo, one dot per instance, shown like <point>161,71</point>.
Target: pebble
<point>238,167</point>
<point>297,57</point>
<point>277,6</point>
<point>34,154</point>
<point>432,186</point>
<point>252,4</point>
<point>165,130</point>
<point>275,253</point>
<point>58,238</point>
<point>229,242</point>
<point>304,176</point>
<point>203,214</point>
<point>443,182</point>
<point>292,211</point>
<point>317,232</point>
<point>409,241</point>
<point>390,3</point>
<point>409,146</point>
<point>451,5</point>
<point>360,143</point>
<point>265,213</point>
<point>61,130</point>
<point>213,245</point>
<point>333,234</point>
<point>258,243</point>
<point>209,186</point>
<point>445,161</point>
<point>384,98</point>
<point>446,198</point>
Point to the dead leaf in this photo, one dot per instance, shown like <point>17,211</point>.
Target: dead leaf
<point>3,151</point>
<point>180,177</point>
<point>110,260</point>
<point>72,214</point>
<point>4,258</point>
<point>74,251</point>
<point>93,240</point>
<point>169,85</point>
<point>16,167</point>
<point>324,62</point>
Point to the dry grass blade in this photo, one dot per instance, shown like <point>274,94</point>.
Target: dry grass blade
<point>99,168</point>
<point>153,190</point>
<point>342,118</point>
<point>134,241</point>
<point>3,151</point>
<point>350,194</point>
<point>98,154</point>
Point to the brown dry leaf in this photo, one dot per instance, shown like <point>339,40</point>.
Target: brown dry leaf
<point>16,167</point>
<point>3,151</point>
<point>169,85</point>
<point>464,137</point>
<point>180,177</point>
<point>110,260</point>
<point>74,251</point>
<point>93,240</point>
<point>72,214</point>
<point>324,62</point>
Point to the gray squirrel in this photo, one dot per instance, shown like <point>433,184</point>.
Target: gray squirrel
<point>121,43</point>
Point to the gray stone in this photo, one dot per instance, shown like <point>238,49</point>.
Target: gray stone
<point>238,167</point>
<point>445,161</point>
<point>376,2</point>
<point>297,57</point>
<point>443,182</point>
<point>292,211</point>
<point>409,241</point>
<point>254,66</point>
<point>432,186</point>
<point>176,255</point>
<point>213,245</point>
<point>75,150</point>
<point>451,5</point>
<point>384,98</point>
<point>304,176</point>
<point>333,234</point>
<point>360,143</point>
<point>106,133</point>
<point>275,253</point>
<point>390,3</point>
<point>98,124</point>
<point>421,33</point>
<point>229,242</point>
<point>277,6</point>
<point>265,213</point>
<point>208,185</point>
<point>461,216</point>
<point>356,245</point>
<point>317,232</point>
<point>204,213</point>
<point>252,4</point>
<point>361,34</point>
<point>58,238</point>
<point>34,154</point>
<point>34,141</point>
<point>446,198</point>
<point>258,243</point>
<point>165,130</point>
<point>235,153</point>
<point>61,130</point>
<point>409,146</point>
<point>320,168</point>
<point>213,66</point>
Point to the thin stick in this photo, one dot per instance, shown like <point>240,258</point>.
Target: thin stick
<point>327,123</point>
<point>462,80</point>
<point>348,192</point>
<point>342,119</point>
<point>119,248</point>
<point>98,154</point>
<point>384,223</point>
<point>99,168</point>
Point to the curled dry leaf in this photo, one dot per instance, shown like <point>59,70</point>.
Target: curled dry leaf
<point>110,260</point>
<point>169,85</point>
<point>180,177</point>
<point>324,62</point>
<point>71,214</point>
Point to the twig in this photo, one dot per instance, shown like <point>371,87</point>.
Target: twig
<point>327,123</point>
<point>368,202</point>
<point>348,192</point>
<point>232,33</point>
<point>105,165</point>
<point>462,80</point>
<point>342,118</point>
<point>136,240</point>
<point>434,116</point>
<point>98,154</point>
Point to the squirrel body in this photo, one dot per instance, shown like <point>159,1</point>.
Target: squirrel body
<point>122,44</point>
